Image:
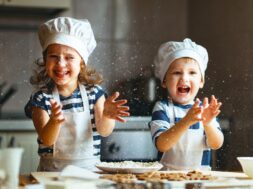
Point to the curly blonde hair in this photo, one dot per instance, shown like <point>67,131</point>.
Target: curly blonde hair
<point>41,80</point>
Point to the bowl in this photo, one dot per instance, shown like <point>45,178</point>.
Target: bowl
<point>247,165</point>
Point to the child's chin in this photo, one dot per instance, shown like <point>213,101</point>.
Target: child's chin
<point>184,101</point>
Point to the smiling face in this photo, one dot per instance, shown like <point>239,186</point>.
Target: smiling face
<point>183,80</point>
<point>63,65</point>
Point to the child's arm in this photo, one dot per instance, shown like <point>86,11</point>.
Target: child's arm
<point>170,137</point>
<point>107,111</point>
<point>214,136</point>
<point>48,127</point>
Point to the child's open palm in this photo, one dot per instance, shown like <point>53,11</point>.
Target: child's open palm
<point>211,110</point>
<point>115,109</point>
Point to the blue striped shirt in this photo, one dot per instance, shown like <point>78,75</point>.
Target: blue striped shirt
<point>71,103</point>
<point>161,122</point>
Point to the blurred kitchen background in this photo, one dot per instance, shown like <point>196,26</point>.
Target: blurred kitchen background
<point>129,33</point>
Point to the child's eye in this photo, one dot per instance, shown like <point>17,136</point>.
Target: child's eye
<point>176,73</point>
<point>70,57</point>
<point>193,72</point>
<point>53,56</point>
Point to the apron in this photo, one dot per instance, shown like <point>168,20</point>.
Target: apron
<point>75,141</point>
<point>184,155</point>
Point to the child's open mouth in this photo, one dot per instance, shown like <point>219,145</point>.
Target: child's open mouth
<point>184,89</point>
<point>60,74</point>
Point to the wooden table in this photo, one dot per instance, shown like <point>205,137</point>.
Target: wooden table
<point>225,180</point>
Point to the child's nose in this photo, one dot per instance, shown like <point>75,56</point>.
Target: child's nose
<point>185,77</point>
<point>61,60</point>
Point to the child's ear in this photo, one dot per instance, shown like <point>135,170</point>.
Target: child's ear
<point>163,84</point>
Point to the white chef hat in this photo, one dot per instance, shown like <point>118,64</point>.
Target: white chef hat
<point>172,50</point>
<point>71,32</point>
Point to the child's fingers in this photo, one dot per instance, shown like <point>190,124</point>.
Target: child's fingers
<point>198,110</point>
<point>124,108</point>
<point>114,96</point>
<point>123,113</point>
<point>214,104</point>
<point>216,113</point>
<point>57,114</point>
<point>218,106</point>
<point>120,119</point>
<point>213,97</point>
<point>194,110</point>
<point>196,104</point>
<point>57,109</point>
<point>205,102</point>
<point>53,102</point>
<point>214,100</point>
<point>195,113</point>
<point>121,102</point>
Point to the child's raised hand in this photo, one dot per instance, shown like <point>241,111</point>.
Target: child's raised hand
<point>194,115</point>
<point>114,109</point>
<point>56,112</point>
<point>211,110</point>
